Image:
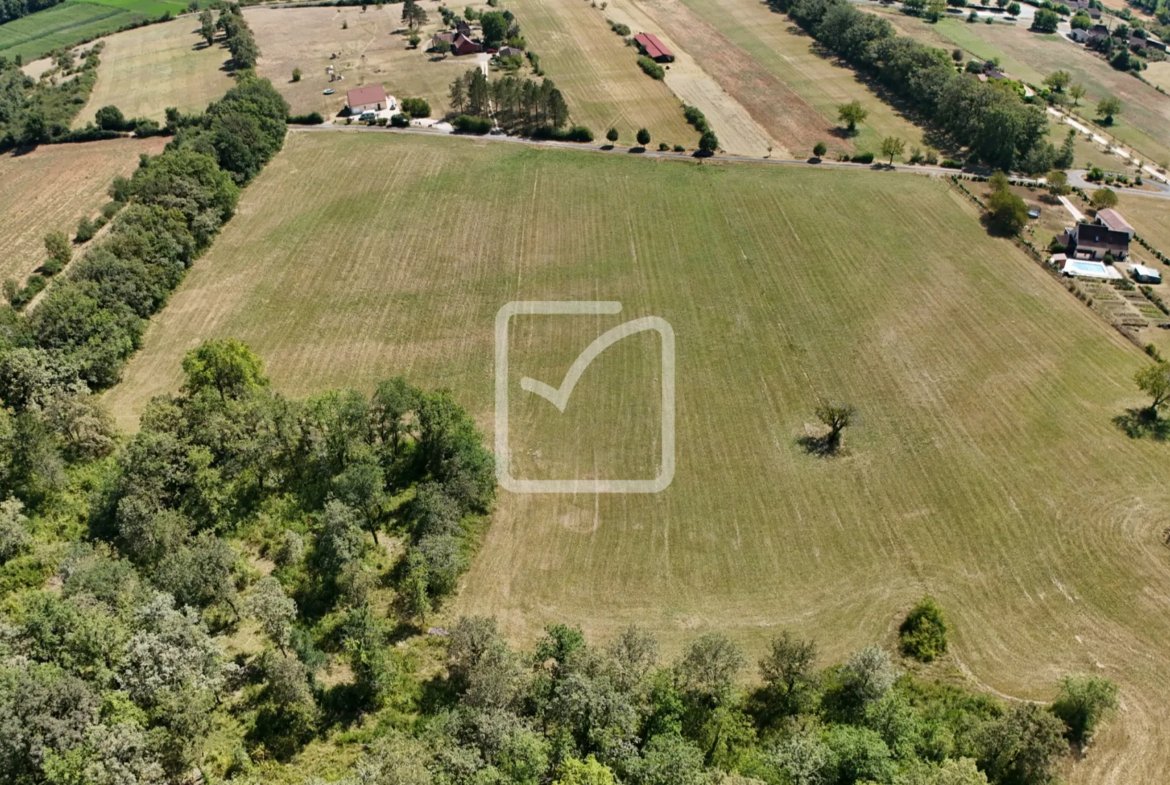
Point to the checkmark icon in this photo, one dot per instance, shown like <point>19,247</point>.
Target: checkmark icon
<point>559,396</point>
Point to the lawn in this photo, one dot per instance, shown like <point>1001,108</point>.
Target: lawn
<point>72,23</point>
<point>146,70</point>
<point>53,186</point>
<point>983,468</point>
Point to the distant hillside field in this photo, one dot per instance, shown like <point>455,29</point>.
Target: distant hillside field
<point>50,188</point>
<point>983,468</point>
<point>146,70</point>
<point>72,23</point>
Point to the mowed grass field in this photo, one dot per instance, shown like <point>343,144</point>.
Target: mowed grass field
<point>146,70</point>
<point>983,468</point>
<point>599,74</point>
<point>72,23</point>
<point>774,70</point>
<point>53,186</point>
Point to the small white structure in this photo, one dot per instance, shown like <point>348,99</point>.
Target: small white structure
<point>1143,274</point>
<point>1080,268</point>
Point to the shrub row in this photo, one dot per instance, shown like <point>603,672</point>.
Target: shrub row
<point>312,118</point>
<point>466,124</point>
<point>696,118</point>
<point>578,133</point>
<point>651,68</point>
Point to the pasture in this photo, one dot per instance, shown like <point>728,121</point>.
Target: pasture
<point>52,187</point>
<point>372,48</point>
<point>984,467</point>
<point>146,70</point>
<point>72,23</point>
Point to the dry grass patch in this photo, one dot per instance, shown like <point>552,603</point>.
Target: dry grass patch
<point>373,50</point>
<point>53,186</point>
<point>1159,74</point>
<point>984,467</point>
<point>598,73</point>
<point>146,70</point>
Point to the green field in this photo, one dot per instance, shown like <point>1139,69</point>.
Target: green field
<point>72,23</point>
<point>984,467</point>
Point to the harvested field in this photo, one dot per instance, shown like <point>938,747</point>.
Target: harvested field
<point>52,187</point>
<point>1159,74</point>
<point>984,467</point>
<point>1149,216</point>
<point>146,70</point>
<point>598,73</point>
<point>372,50</point>
<point>778,74</point>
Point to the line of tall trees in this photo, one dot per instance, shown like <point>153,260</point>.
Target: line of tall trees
<point>15,9</point>
<point>522,104</point>
<point>989,119</point>
<point>238,37</point>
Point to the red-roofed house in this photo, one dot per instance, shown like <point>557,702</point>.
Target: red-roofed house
<point>1111,219</point>
<point>371,98</point>
<point>462,45</point>
<point>653,48</point>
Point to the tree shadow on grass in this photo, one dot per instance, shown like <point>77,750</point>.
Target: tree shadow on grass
<point>1143,424</point>
<point>823,446</point>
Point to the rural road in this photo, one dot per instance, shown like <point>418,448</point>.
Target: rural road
<point>1076,177</point>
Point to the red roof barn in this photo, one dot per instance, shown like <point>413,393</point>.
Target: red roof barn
<point>465,46</point>
<point>654,49</point>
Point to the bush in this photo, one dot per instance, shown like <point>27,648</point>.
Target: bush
<point>652,69</point>
<point>924,632</point>
<point>381,122</point>
<point>694,115</point>
<point>678,148</point>
<point>619,28</point>
<point>1081,703</point>
<point>577,133</point>
<point>85,231</point>
<point>401,120</point>
<point>951,163</point>
<point>466,124</point>
<point>110,118</point>
<point>416,107</point>
<point>862,158</point>
<point>708,143</point>
<point>663,147</point>
<point>312,118</point>
<point>296,75</point>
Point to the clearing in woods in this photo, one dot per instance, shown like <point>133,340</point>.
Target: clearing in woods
<point>372,48</point>
<point>146,70</point>
<point>984,467</point>
<point>53,186</point>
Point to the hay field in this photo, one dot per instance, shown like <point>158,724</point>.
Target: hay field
<point>146,70</point>
<point>773,69</point>
<point>1159,74</point>
<point>372,49</point>
<point>73,22</point>
<point>598,73</point>
<point>984,467</point>
<point>52,187</point>
<point>1150,216</point>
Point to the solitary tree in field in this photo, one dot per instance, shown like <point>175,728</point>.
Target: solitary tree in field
<point>1058,80</point>
<point>1154,381</point>
<point>708,143</point>
<point>1103,198</point>
<point>207,26</point>
<point>413,15</point>
<point>851,114</point>
<point>820,150</point>
<point>1076,92</point>
<point>643,137</point>
<point>612,135</point>
<point>892,146</point>
<point>836,419</point>
<point>1107,108</point>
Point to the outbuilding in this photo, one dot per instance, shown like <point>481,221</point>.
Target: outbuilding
<point>1143,274</point>
<point>1111,219</point>
<point>650,46</point>
<point>465,46</point>
<point>371,98</point>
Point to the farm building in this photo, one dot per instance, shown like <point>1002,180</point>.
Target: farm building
<point>1093,241</point>
<point>371,98</point>
<point>1143,274</point>
<point>1111,219</point>
<point>650,46</point>
<point>510,51</point>
<point>462,28</point>
<point>462,45</point>
<point>439,38</point>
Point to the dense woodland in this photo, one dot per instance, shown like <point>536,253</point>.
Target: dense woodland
<point>988,118</point>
